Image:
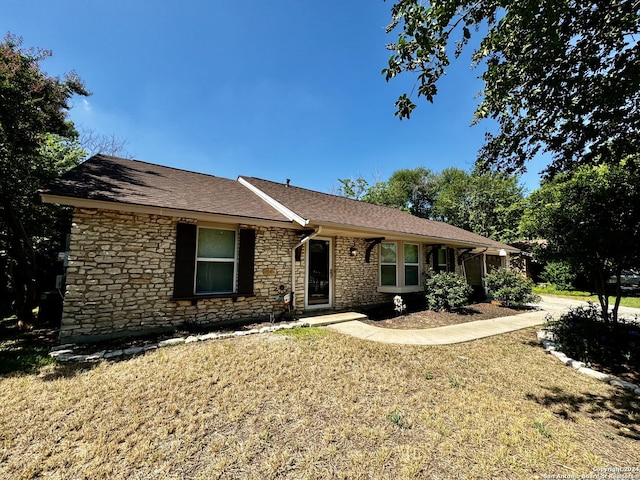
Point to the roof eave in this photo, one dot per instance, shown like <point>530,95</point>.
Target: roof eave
<point>162,211</point>
<point>361,232</point>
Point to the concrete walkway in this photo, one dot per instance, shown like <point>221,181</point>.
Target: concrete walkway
<point>463,332</point>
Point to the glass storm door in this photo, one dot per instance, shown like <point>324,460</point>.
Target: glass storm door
<point>319,273</point>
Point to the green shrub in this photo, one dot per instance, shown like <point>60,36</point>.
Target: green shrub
<point>582,335</point>
<point>510,288</point>
<point>559,274</point>
<point>446,291</point>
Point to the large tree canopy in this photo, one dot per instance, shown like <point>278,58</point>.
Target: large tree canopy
<point>561,76</point>
<point>33,130</point>
<point>590,218</point>
<point>487,204</point>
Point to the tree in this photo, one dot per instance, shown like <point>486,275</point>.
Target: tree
<point>33,117</point>
<point>561,76</point>
<point>488,204</point>
<point>412,190</point>
<point>591,219</point>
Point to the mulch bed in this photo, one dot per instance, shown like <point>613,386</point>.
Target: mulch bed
<point>429,319</point>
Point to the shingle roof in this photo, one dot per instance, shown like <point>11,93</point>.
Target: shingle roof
<point>132,182</point>
<point>114,179</point>
<point>322,208</point>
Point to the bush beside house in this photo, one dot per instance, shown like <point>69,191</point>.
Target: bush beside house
<point>510,288</point>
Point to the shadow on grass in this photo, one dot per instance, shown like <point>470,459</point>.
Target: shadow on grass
<point>25,352</point>
<point>621,408</point>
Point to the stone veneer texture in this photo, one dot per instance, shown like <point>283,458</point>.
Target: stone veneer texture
<point>120,276</point>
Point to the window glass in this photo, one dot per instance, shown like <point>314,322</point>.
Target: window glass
<point>388,275</point>
<point>410,253</point>
<point>388,258</point>
<point>442,258</point>
<point>388,253</point>
<point>214,277</point>
<point>216,262</point>
<point>214,243</point>
<point>411,275</point>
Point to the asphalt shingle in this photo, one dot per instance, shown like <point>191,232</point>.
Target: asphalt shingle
<point>119,180</point>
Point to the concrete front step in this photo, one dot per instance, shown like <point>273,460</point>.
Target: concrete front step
<point>333,318</point>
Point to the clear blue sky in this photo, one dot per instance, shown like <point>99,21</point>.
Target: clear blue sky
<point>272,89</point>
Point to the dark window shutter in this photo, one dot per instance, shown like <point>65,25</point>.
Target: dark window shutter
<point>451,257</point>
<point>185,260</point>
<point>246,261</point>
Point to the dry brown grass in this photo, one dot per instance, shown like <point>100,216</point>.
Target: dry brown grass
<point>317,405</point>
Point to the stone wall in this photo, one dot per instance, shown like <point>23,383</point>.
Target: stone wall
<point>121,272</point>
<point>120,277</point>
<point>355,281</point>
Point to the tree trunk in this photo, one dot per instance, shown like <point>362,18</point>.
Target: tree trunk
<point>23,272</point>
<point>614,313</point>
<point>603,297</point>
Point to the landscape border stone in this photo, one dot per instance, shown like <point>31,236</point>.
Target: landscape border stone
<point>546,338</point>
<point>66,353</point>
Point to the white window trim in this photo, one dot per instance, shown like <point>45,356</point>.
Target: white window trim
<point>400,286</point>
<point>410,264</point>
<point>217,260</point>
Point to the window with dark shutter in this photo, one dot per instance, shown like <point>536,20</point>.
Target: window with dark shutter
<point>206,262</point>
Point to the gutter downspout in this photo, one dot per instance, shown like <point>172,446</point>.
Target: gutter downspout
<point>293,262</point>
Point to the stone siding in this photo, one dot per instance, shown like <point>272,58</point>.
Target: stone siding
<point>356,282</point>
<point>121,272</point>
<point>120,277</point>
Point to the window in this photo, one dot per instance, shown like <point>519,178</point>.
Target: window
<point>399,267</point>
<point>441,260</point>
<point>213,262</point>
<point>216,260</point>
<point>411,264</point>
<point>388,264</point>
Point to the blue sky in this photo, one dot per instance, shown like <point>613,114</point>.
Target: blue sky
<point>279,89</point>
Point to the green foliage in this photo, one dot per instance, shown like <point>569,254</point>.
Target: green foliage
<point>33,150</point>
<point>446,291</point>
<point>582,335</point>
<point>542,429</point>
<point>23,359</point>
<point>352,188</point>
<point>303,333</point>
<point>590,219</point>
<point>489,204</point>
<point>510,288</point>
<point>397,419</point>
<point>559,274</point>
<point>561,76</point>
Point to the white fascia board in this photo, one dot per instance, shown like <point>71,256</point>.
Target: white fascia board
<point>290,214</point>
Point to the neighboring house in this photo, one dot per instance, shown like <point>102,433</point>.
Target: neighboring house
<point>153,247</point>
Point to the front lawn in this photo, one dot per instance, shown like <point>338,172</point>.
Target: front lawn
<point>316,404</point>
<point>633,302</point>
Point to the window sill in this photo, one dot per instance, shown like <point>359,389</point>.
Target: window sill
<point>206,296</point>
<point>410,289</point>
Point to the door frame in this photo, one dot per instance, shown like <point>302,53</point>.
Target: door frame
<point>329,303</point>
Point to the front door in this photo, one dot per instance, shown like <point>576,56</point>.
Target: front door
<point>318,293</point>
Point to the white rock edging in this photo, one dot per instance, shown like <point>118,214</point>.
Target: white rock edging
<point>548,342</point>
<point>65,353</point>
